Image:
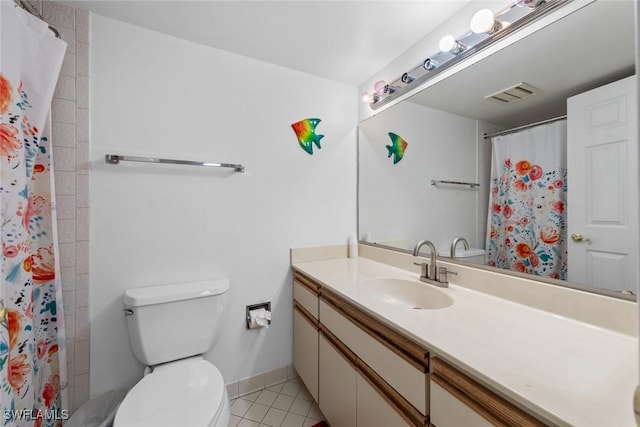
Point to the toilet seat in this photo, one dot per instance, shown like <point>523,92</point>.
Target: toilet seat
<point>186,393</point>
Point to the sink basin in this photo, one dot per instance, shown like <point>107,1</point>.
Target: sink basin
<point>406,293</point>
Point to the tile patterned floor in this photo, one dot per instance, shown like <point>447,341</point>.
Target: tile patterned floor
<point>287,404</point>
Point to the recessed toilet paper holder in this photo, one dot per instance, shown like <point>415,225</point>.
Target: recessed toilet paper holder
<point>263,305</point>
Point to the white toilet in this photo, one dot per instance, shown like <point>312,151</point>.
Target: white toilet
<point>170,327</point>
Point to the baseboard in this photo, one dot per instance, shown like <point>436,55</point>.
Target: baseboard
<point>260,381</point>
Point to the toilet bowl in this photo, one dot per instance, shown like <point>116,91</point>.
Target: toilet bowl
<point>187,393</point>
<point>170,328</point>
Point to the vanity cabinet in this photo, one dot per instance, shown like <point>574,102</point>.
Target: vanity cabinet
<point>367,374</point>
<point>364,373</point>
<point>458,400</point>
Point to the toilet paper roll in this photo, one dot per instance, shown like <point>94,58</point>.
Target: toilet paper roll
<point>259,318</point>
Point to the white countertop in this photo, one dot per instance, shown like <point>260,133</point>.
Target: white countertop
<point>568,372</point>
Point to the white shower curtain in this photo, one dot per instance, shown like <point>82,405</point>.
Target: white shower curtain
<point>526,229</point>
<point>32,340</point>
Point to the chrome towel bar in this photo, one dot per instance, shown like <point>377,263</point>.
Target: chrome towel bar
<point>468,184</point>
<point>114,159</point>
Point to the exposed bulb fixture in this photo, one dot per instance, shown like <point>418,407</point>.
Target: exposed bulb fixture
<point>483,21</point>
<point>450,44</point>
<point>388,89</point>
<point>487,28</point>
<point>407,78</point>
<point>529,3</point>
<point>429,64</point>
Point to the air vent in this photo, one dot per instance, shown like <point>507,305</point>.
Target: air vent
<point>513,93</point>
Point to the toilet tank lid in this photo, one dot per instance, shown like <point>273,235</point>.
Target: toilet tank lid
<point>148,295</point>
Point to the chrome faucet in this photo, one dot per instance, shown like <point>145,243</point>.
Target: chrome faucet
<point>455,243</point>
<point>432,272</point>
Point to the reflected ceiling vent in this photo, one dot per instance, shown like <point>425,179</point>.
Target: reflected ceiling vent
<point>513,93</point>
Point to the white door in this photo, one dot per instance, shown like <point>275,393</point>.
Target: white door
<point>602,196</point>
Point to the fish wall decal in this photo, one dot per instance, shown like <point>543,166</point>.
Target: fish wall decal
<point>397,147</point>
<point>306,132</point>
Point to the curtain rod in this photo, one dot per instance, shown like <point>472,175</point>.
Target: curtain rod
<point>30,9</point>
<point>506,131</point>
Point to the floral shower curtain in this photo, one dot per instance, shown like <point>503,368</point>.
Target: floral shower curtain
<point>526,229</point>
<point>32,343</point>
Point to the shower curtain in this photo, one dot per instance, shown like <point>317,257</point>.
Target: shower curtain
<point>32,343</point>
<point>526,229</point>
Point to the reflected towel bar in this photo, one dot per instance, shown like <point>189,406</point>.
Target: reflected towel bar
<point>114,159</point>
<point>469,184</point>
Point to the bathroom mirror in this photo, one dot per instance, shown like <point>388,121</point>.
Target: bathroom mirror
<point>444,125</point>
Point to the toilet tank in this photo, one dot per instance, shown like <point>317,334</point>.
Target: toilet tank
<point>474,255</point>
<point>171,322</point>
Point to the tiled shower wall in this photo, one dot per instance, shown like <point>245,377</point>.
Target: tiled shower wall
<point>71,137</point>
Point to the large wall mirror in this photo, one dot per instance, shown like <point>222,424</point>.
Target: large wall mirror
<point>406,195</point>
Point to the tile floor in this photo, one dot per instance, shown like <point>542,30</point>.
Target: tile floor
<point>287,404</point>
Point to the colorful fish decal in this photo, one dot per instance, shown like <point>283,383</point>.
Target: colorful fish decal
<point>397,148</point>
<point>306,132</point>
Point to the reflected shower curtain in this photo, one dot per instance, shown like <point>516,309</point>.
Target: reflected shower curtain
<point>526,229</point>
<point>32,343</point>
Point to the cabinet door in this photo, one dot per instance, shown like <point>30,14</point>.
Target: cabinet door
<point>337,386</point>
<point>448,411</point>
<point>373,410</point>
<point>305,351</point>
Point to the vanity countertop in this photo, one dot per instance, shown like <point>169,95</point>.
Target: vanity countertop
<point>566,371</point>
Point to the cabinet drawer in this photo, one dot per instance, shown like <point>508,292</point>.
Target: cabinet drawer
<point>306,294</point>
<point>449,411</point>
<point>479,401</point>
<point>404,377</point>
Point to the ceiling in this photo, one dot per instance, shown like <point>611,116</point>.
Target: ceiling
<point>345,41</point>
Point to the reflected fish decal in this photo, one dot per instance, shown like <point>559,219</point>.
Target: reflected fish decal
<point>306,132</point>
<point>397,148</point>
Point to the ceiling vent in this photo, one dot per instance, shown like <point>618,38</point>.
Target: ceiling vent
<point>513,93</point>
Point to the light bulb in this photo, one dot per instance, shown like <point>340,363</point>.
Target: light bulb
<point>447,43</point>
<point>366,98</point>
<point>483,21</point>
<point>379,86</point>
<point>450,44</point>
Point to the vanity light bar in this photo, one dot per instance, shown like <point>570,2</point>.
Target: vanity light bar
<point>471,42</point>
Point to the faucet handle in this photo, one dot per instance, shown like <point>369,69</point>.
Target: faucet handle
<point>424,267</point>
<point>443,273</point>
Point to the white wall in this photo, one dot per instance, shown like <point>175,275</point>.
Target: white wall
<point>156,95</point>
<point>442,146</point>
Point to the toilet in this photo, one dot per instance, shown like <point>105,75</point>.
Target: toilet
<point>170,328</point>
